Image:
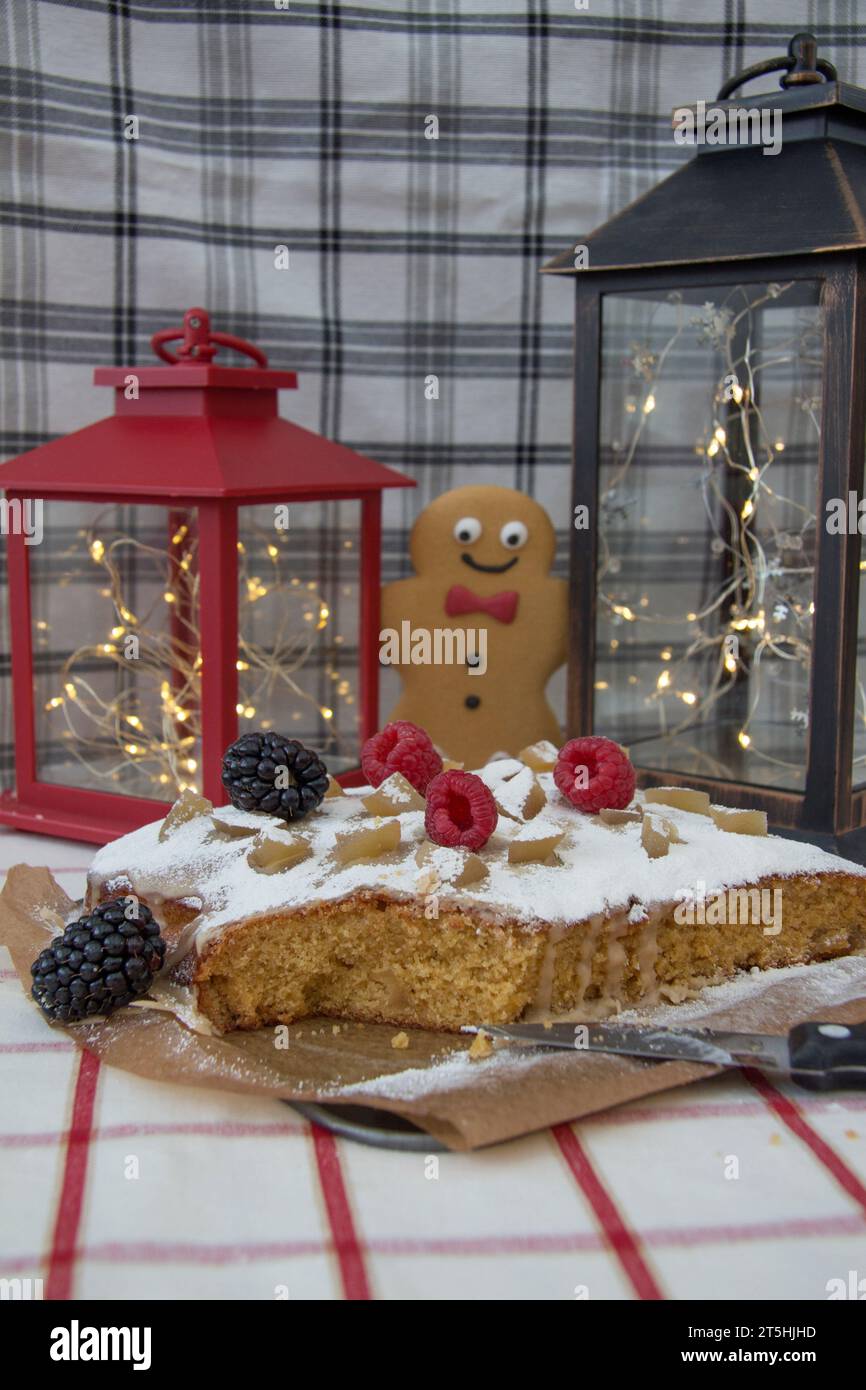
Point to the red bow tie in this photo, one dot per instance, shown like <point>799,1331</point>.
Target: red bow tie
<point>502,606</point>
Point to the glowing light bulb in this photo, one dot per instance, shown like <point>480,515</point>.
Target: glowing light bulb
<point>663,681</point>
<point>97,550</point>
<point>743,739</point>
<point>688,697</point>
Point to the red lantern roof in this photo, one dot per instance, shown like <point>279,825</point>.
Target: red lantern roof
<point>193,429</point>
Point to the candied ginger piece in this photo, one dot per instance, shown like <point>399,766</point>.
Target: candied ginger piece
<point>275,856</point>
<point>457,867</point>
<point>612,817</point>
<point>520,797</point>
<point>473,871</point>
<point>541,756</point>
<point>750,822</point>
<point>499,770</point>
<point>657,835</point>
<point>534,844</point>
<point>448,765</point>
<point>681,798</point>
<point>334,788</point>
<point>229,830</point>
<point>394,796</point>
<point>367,842</point>
<point>188,806</point>
<point>482,1046</point>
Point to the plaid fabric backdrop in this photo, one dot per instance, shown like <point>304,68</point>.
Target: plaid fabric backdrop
<point>264,124</point>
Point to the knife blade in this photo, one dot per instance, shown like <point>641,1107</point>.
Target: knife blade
<point>816,1055</point>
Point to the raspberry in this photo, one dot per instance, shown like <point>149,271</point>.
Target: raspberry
<point>595,774</point>
<point>400,747</point>
<point>460,810</point>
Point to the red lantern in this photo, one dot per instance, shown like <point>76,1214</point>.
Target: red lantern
<point>158,614</point>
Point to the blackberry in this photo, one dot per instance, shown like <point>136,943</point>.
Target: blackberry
<point>100,963</point>
<point>272,773</point>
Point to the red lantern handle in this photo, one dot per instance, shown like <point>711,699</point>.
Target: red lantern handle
<point>199,344</point>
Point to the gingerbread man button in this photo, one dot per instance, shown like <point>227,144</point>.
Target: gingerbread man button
<point>480,628</point>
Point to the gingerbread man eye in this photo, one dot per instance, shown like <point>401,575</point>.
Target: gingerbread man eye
<point>467,530</point>
<point>514,534</point>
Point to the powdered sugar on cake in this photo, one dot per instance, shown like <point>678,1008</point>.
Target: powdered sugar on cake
<point>596,869</point>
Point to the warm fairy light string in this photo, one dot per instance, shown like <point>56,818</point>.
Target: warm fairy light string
<point>170,658</point>
<point>761,592</point>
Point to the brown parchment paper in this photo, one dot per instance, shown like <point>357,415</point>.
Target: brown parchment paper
<point>464,1105</point>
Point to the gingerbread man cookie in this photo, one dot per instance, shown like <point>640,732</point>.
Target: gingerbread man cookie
<point>482,558</point>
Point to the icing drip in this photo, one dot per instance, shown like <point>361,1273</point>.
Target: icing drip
<point>542,1005</point>
<point>647,956</point>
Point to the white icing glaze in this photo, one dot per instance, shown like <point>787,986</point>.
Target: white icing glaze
<point>601,870</point>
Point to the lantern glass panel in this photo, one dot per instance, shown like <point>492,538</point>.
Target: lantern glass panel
<point>299,606</point>
<point>858,773</point>
<point>114,600</point>
<point>710,426</point>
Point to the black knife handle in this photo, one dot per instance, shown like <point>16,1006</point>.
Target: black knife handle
<point>827,1056</point>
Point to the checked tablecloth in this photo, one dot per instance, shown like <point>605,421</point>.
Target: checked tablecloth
<point>116,1187</point>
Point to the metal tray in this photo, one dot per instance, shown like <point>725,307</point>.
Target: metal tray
<point>368,1126</point>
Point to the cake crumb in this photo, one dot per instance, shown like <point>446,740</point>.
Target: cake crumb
<point>482,1046</point>
<point>400,1040</point>
<point>336,1030</point>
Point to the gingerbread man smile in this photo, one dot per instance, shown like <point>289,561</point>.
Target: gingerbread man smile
<point>490,569</point>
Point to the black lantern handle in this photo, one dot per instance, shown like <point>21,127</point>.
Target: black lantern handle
<point>801,65</point>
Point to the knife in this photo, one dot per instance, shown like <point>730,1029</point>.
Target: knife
<point>818,1056</point>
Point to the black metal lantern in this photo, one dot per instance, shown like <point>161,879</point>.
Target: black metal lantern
<point>720,420</point>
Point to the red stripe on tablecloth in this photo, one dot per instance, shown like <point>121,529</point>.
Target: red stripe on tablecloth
<point>37,1047</point>
<point>218,1129</point>
<point>61,1264</point>
<point>187,1252</point>
<point>349,1254</point>
<point>229,1129</point>
<point>619,1237</point>
<point>791,1115</point>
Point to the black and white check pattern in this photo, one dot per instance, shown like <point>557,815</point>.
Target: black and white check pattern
<point>302,125</point>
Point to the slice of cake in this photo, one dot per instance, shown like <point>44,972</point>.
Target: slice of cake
<point>513,893</point>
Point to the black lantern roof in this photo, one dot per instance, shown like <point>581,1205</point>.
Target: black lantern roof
<point>733,201</point>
